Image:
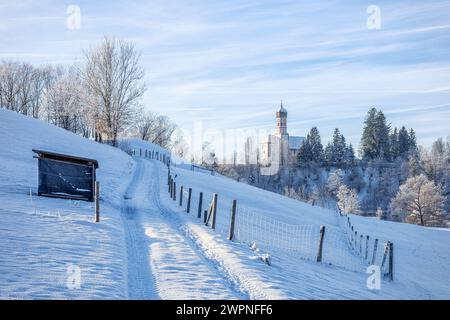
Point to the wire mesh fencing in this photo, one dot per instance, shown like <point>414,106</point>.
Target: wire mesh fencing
<point>338,245</point>
<point>372,250</point>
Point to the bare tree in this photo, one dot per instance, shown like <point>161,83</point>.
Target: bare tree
<point>64,104</point>
<point>113,78</point>
<point>23,86</point>
<point>179,146</point>
<point>155,128</point>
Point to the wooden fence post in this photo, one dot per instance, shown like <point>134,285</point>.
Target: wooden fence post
<point>140,152</point>
<point>391,261</point>
<point>360,244</point>
<point>233,219</point>
<point>146,153</point>
<point>386,249</point>
<point>214,211</point>
<point>200,203</point>
<point>189,200</point>
<point>374,254</point>
<point>319,249</point>
<point>181,196</point>
<point>174,191</point>
<point>97,201</point>
<point>367,248</point>
<point>205,214</point>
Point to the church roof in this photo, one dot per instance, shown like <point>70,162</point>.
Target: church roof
<point>295,142</point>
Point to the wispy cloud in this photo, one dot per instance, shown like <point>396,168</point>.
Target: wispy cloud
<point>230,62</point>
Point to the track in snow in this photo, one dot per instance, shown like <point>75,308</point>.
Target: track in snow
<point>162,262</point>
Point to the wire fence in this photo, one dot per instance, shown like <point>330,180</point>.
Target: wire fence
<point>338,245</point>
<point>372,250</point>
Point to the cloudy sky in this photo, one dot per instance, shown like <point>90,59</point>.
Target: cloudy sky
<point>225,65</point>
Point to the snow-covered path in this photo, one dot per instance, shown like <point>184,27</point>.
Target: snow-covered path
<point>162,262</point>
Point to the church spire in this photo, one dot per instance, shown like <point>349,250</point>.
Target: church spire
<point>282,109</point>
<point>281,121</point>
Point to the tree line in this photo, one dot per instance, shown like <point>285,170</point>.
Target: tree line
<point>99,99</point>
<point>392,177</point>
<point>378,143</point>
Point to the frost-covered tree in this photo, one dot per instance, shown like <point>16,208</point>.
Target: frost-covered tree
<point>64,104</point>
<point>155,128</point>
<point>379,214</point>
<point>348,201</point>
<point>335,180</point>
<point>179,145</point>
<point>420,199</point>
<point>113,79</point>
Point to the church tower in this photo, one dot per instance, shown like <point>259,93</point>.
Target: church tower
<point>282,133</point>
<point>281,122</point>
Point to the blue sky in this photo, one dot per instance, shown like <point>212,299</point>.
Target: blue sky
<point>229,63</point>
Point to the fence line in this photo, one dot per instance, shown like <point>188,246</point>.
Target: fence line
<point>342,246</point>
<point>372,250</point>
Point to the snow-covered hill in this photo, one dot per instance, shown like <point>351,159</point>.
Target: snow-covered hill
<point>421,256</point>
<point>147,247</point>
<point>44,240</point>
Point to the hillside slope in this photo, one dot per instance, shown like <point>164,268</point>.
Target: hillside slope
<point>44,240</point>
<point>421,260</point>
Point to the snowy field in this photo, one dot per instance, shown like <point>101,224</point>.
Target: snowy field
<point>147,247</point>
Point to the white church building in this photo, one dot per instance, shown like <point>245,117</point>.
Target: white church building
<point>280,147</point>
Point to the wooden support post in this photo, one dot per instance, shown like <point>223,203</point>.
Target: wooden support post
<point>374,253</point>
<point>200,204</point>
<point>319,249</point>
<point>214,211</point>
<point>367,248</point>
<point>188,209</point>
<point>181,196</point>
<point>391,261</point>
<point>360,244</point>
<point>233,219</point>
<point>97,201</point>
<point>174,191</point>
<point>205,215</point>
<point>385,254</point>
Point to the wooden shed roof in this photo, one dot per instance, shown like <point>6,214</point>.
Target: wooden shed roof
<point>64,157</point>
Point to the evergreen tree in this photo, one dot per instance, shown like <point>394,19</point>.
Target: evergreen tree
<point>312,149</point>
<point>368,139</point>
<point>412,141</point>
<point>403,142</point>
<point>349,156</point>
<point>382,130</point>
<point>394,144</point>
<point>316,145</point>
<point>328,153</point>
<point>304,155</point>
<point>375,138</point>
<point>338,146</point>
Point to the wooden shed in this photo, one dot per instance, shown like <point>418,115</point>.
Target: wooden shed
<point>65,176</point>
